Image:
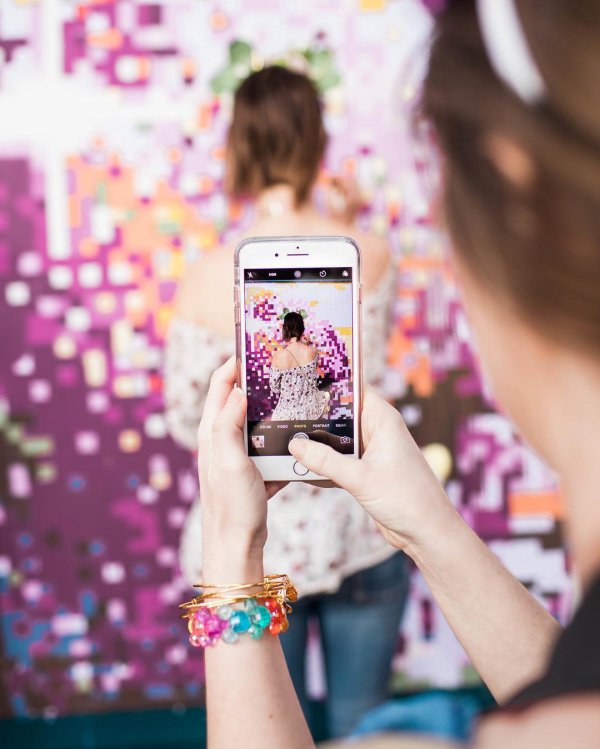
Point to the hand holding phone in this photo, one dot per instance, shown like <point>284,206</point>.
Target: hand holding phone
<point>297,304</point>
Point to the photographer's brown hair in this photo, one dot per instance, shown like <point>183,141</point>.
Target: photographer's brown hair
<point>276,134</point>
<point>535,240</point>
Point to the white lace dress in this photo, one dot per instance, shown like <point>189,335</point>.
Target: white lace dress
<point>299,396</point>
<point>317,536</point>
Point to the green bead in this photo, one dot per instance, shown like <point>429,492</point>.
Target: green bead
<point>261,617</point>
<point>229,636</point>
<point>250,605</point>
<point>255,632</point>
<point>239,622</point>
<point>224,612</point>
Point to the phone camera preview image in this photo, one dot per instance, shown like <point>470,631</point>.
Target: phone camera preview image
<point>299,358</point>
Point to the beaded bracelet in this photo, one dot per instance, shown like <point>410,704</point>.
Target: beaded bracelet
<point>212,617</point>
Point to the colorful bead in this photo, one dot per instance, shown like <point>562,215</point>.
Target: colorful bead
<point>277,615</point>
<point>201,615</point>
<point>214,625</point>
<point>250,605</point>
<point>239,622</point>
<point>275,628</point>
<point>255,632</point>
<point>261,617</point>
<point>202,641</point>
<point>196,626</point>
<point>271,604</point>
<point>229,636</point>
<point>224,612</point>
<point>285,625</point>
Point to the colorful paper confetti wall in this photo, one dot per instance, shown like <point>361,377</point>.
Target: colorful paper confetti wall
<point>111,160</point>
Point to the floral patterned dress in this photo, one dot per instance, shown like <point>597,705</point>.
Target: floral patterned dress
<point>299,396</point>
<point>317,536</point>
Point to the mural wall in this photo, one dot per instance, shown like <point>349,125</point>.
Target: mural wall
<point>111,161</point>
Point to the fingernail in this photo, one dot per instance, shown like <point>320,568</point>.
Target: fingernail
<point>296,447</point>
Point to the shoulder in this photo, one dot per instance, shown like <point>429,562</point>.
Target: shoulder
<point>211,273</point>
<point>569,721</point>
<point>375,251</point>
<point>279,359</point>
<point>376,256</point>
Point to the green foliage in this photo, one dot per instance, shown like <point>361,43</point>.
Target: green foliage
<point>316,61</point>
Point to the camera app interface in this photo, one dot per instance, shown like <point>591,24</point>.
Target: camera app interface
<point>299,358</point>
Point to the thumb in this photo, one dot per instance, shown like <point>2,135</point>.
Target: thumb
<point>343,470</point>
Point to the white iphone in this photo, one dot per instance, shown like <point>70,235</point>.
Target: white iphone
<point>297,310</point>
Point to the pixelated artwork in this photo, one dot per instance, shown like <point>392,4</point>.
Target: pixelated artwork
<point>111,166</point>
<point>327,308</point>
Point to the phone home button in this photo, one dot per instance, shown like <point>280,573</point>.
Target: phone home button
<point>299,469</point>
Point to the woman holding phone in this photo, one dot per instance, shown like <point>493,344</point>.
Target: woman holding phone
<point>512,93</point>
<point>275,148</point>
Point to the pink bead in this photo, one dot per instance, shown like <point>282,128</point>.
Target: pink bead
<point>214,625</point>
<point>197,627</point>
<point>202,641</point>
<point>202,615</point>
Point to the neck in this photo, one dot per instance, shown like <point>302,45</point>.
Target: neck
<point>575,424</point>
<point>278,200</point>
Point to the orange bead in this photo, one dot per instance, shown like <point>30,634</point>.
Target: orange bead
<point>274,627</point>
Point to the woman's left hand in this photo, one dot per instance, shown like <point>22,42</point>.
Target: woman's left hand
<point>233,493</point>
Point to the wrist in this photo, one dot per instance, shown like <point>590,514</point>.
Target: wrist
<point>438,535</point>
<point>231,556</point>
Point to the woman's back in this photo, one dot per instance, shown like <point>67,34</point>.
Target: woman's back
<point>294,354</point>
<point>205,296</point>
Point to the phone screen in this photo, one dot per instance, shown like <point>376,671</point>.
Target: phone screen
<point>299,357</point>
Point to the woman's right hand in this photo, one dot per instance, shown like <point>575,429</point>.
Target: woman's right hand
<point>392,480</point>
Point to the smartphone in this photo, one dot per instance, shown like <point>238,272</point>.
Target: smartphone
<point>297,307</point>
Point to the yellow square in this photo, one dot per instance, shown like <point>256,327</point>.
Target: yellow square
<point>369,5</point>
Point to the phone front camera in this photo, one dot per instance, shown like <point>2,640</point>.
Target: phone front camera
<point>276,254</point>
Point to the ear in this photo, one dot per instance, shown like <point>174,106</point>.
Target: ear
<point>510,159</point>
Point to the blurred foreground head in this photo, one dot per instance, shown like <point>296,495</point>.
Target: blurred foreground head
<point>522,190</point>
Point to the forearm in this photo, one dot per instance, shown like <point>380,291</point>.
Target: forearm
<point>507,634</point>
<point>250,698</point>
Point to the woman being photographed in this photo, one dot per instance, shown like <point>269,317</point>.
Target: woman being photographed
<point>333,548</point>
<point>512,91</point>
<point>293,376</point>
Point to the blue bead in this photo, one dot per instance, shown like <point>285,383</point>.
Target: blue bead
<point>255,632</point>
<point>224,612</point>
<point>250,605</point>
<point>229,636</point>
<point>239,622</point>
<point>261,617</point>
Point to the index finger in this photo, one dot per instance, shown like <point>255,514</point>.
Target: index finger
<point>222,383</point>
<point>375,411</point>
